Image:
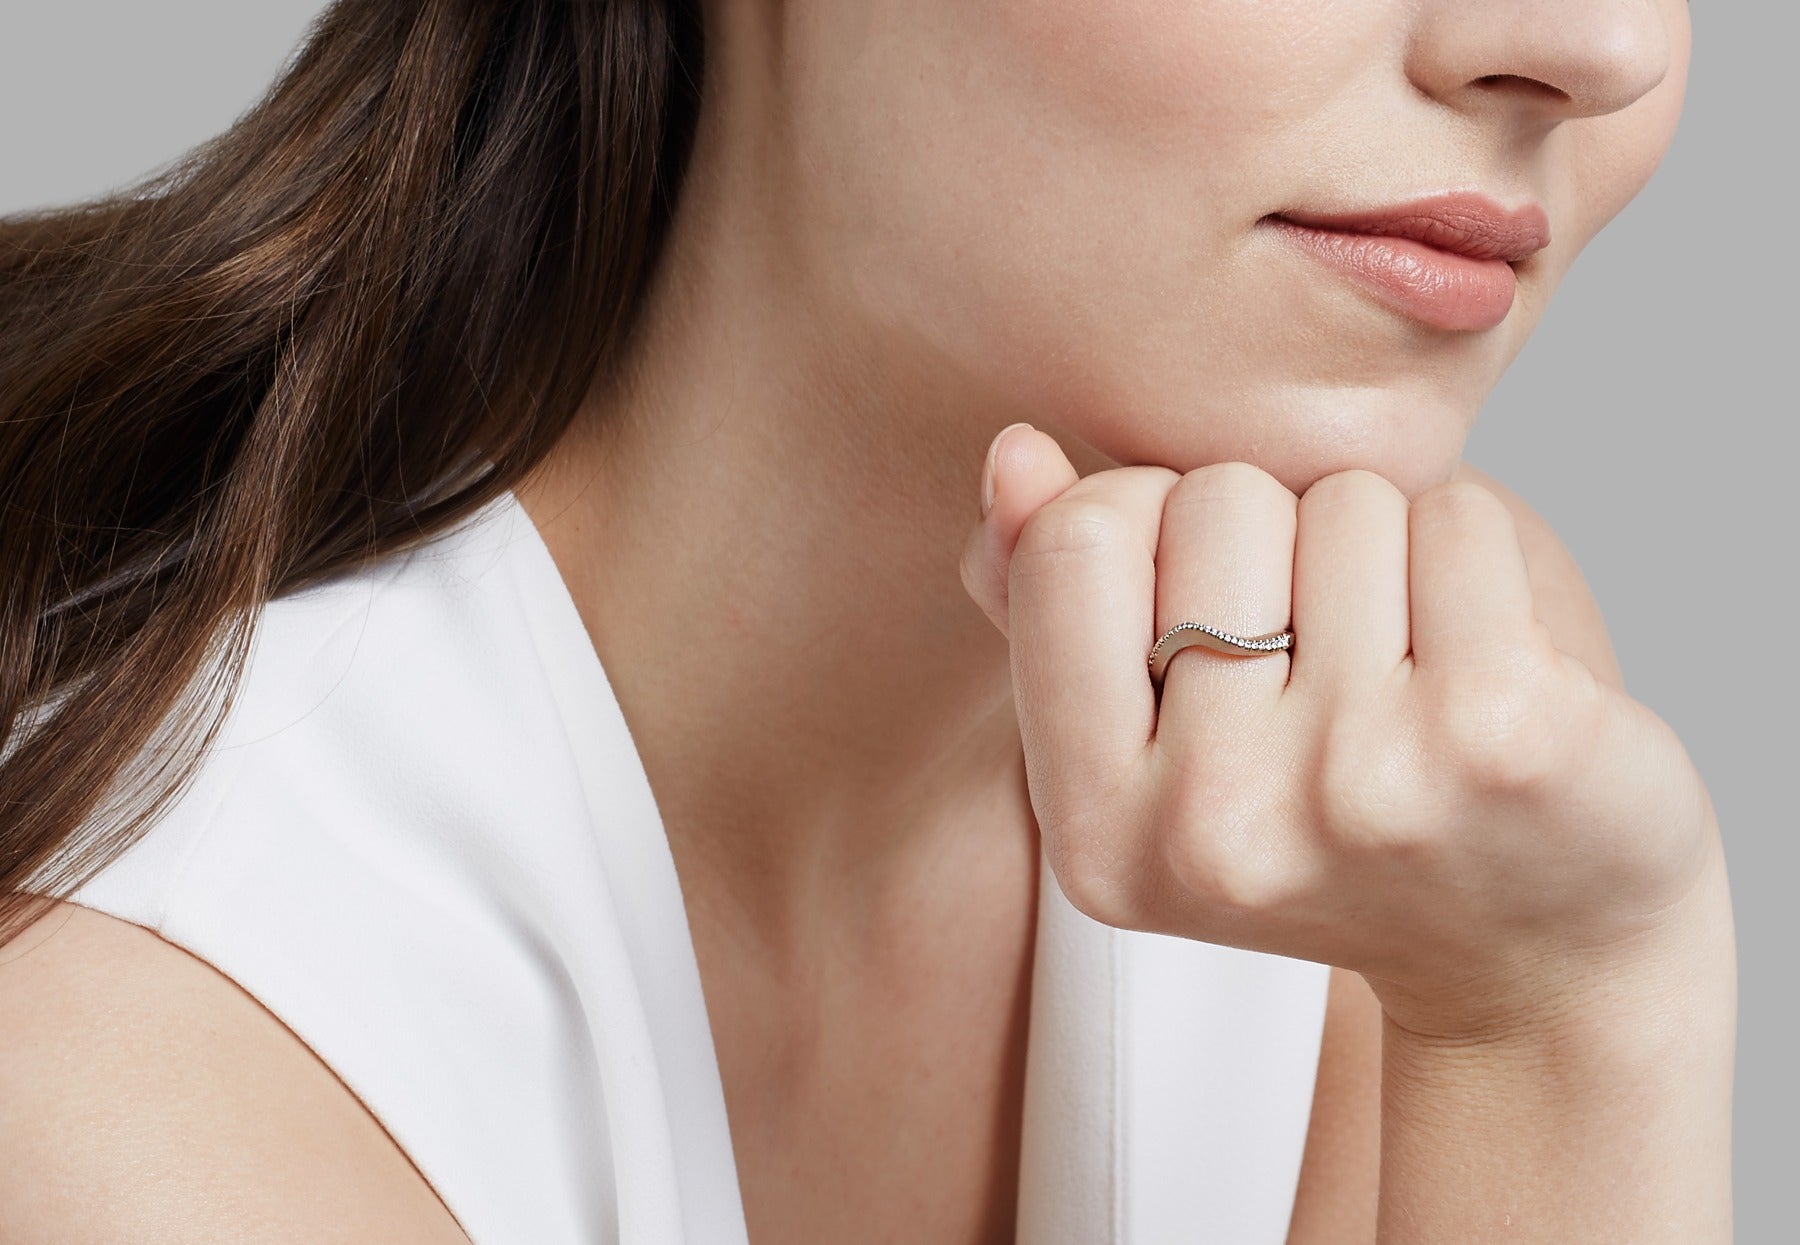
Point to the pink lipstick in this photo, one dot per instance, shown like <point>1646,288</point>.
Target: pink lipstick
<point>1446,261</point>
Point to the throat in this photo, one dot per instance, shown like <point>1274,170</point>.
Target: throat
<point>876,1074</point>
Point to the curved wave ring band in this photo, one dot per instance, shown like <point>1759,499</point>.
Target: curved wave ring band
<point>1187,634</point>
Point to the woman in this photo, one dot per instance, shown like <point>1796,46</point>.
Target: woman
<point>524,370</point>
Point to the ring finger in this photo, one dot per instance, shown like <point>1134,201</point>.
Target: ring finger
<point>1225,558</point>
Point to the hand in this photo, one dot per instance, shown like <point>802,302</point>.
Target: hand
<point>1425,790</point>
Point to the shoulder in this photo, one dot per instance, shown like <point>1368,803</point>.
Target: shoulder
<point>400,862</point>
<point>148,1098</point>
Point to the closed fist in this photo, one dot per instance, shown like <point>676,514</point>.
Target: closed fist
<point>1425,789</point>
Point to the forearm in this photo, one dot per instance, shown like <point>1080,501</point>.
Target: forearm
<point>1612,1123</point>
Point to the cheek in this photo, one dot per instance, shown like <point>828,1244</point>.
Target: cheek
<point>1044,183</point>
<point>1159,61</point>
<point>1056,117</point>
<point>1612,157</point>
<point>1058,197</point>
<point>1189,78</point>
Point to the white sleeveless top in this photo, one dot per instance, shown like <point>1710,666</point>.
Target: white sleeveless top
<point>426,842</point>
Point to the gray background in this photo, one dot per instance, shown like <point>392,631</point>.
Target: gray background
<point>1650,419</point>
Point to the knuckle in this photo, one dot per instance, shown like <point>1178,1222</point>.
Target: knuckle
<point>1352,485</point>
<point>1517,764</point>
<point>1232,479</point>
<point>1367,795</point>
<point>1209,852</point>
<point>1215,871</point>
<point>1068,529</point>
<point>1501,726</point>
<point>1096,898</point>
<point>1458,503</point>
<point>1093,884</point>
<point>1090,845</point>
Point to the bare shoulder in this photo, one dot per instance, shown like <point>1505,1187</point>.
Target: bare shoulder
<point>145,1096</point>
<point>1565,603</point>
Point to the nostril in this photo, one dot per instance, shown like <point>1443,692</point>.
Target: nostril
<point>1513,81</point>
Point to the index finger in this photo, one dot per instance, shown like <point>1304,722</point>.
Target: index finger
<point>1081,601</point>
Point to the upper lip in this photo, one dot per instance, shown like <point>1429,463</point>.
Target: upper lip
<point>1461,222</point>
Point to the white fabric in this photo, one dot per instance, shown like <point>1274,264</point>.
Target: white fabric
<point>426,842</point>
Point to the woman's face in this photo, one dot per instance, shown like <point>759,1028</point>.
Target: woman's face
<point>1066,199</point>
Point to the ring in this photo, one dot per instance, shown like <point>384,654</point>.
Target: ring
<point>1187,634</point>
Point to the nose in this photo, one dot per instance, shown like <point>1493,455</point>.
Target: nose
<point>1541,61</point>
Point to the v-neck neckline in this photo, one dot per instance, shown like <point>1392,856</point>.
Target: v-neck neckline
<point>634,845</point>
<point>1168,1082</point>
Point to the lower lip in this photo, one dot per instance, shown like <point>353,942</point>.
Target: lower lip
<point>1435,287</point>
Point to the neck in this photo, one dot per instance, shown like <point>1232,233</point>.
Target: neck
<point>760,519</point>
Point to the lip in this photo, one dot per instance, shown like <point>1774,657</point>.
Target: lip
<point>1446,261</point>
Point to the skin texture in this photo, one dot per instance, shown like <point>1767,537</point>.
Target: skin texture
<point>1520,859</point>
<point>908,224</point>
<point>59,1063</point>
<point>1337,1197</point>
<point>145,1097</point>
<point>98,1026</point>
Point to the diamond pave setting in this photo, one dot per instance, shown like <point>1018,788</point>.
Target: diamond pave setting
<point>1189,634</point>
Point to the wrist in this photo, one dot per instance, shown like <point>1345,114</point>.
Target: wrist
<point>1558,1134</point>
<point>1673,981</point>
<point>1601,1113</point>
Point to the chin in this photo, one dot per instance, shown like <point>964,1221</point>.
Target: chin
<point>1413,439</point>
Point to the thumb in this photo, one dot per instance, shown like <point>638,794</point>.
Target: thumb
<point>1027,469</point>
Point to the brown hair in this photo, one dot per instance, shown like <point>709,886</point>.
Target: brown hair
<point>326,334</point>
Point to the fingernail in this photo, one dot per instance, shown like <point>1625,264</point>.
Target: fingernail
<point>987,472</point>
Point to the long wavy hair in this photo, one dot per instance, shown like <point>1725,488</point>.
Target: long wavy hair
<point>323,335</point>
